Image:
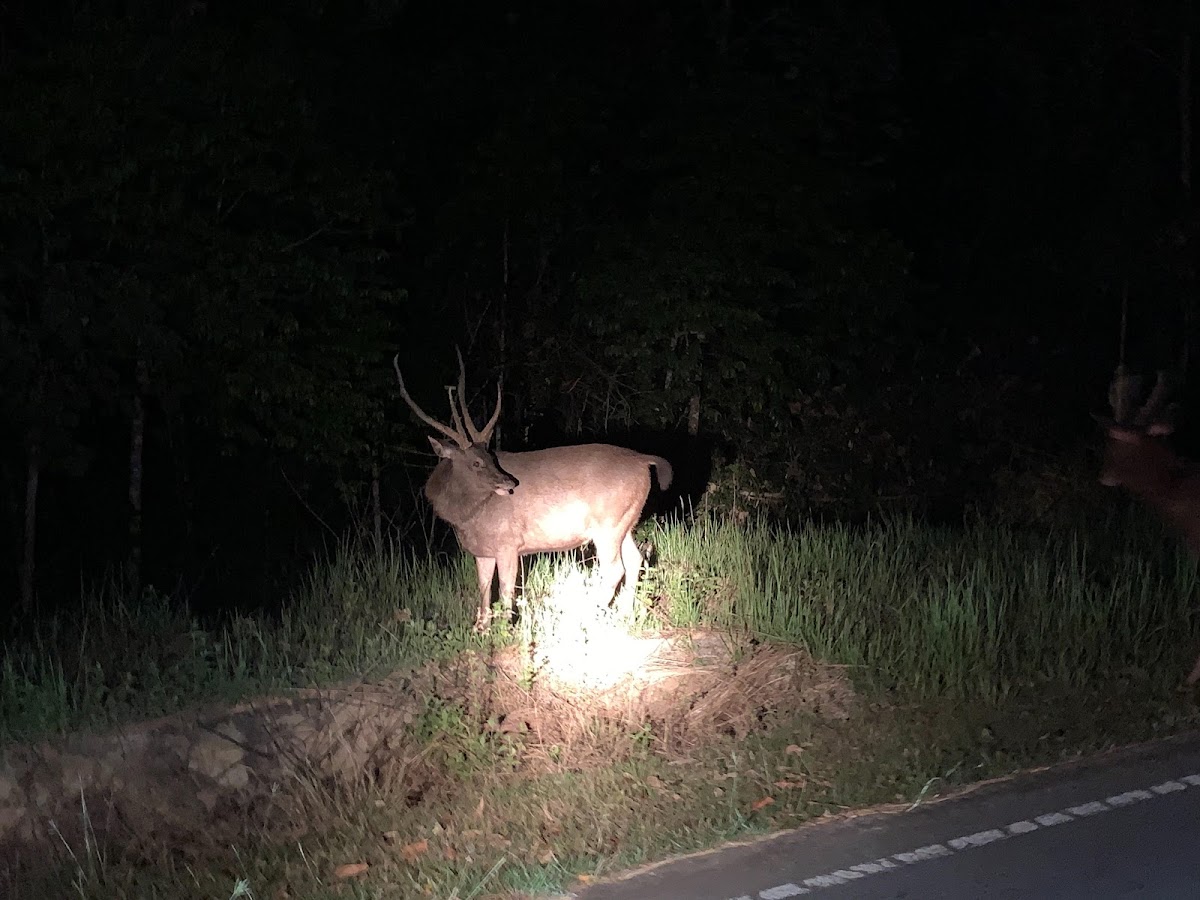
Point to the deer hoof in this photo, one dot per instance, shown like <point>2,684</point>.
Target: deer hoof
<point>482,624</point>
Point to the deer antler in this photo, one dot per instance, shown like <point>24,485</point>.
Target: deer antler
<point>1122,394</point>
<point>485,434</point>
<point>1153,416</point>
<point>463,432</point>
<point>459,436</point>
<point>1152,409</point>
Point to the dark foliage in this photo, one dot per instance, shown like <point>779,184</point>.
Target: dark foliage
<point>842,256</point>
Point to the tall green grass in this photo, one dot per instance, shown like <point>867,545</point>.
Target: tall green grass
<point>960,613</point>
<point>360,612</point>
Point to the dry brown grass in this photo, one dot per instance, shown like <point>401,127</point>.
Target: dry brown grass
<point>690,690</point>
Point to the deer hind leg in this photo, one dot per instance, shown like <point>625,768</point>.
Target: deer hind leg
<point>631,561</point>
<point>485,567</point>
<point>608,562</point>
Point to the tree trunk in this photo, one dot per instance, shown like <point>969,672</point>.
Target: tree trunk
<point>183,476</point>
<point>1185,112</point>
<point>498,433</point>
<point>724,16</point>
<point>1185,180</point>
<point>694,415</point>
<point>376,511</point>
<point>137,435</point>
<point>12,515</point>
<point>32,476</point>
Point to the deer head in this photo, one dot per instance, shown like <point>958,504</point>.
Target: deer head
<point>469,453</point>
<point>1136,457</point>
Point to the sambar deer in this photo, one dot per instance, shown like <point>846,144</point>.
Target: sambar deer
<point>1138,459</point>
<point>503,506</point>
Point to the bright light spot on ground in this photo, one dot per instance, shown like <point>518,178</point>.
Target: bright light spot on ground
<point>581,643</point>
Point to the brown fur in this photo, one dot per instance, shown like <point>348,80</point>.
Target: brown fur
<point>508,505</point>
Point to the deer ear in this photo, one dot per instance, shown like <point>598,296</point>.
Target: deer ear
<point>440,449</point>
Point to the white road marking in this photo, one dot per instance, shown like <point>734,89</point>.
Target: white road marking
<point>1169,787</point>
<point>1128,798</point>
<point>978,839</point>
<point>970,841</point>
<point>933,851</point>
<point>878,865</point>
<point>782,891</point>
<point>1053,819</point>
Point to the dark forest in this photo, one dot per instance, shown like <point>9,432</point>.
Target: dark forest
<point>870,253</point>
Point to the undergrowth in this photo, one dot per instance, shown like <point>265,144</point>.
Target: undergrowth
<point>359,614</point>
<point>937,612</point>
<point>930,612</point>
<point>972,652</point>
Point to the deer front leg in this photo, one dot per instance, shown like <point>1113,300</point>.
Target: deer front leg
<point>506,569</point>
<point>484,569</point>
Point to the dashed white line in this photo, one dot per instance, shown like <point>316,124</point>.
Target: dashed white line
<point>977,840</point>
<point>969,841</point>
<point>1128,798</point>
<point>1055,818</point>
<point>875,866</point>
<point>1169,787</point>
<point>1088,809</point>
<point>933,851</point>
<point>782,892</point>
<point>841,876</point>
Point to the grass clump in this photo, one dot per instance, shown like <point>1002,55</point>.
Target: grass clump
<point>938,612</point>
<point>359,613</point>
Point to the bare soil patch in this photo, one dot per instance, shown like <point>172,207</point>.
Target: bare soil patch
<point>190,786</point>
<point>683,690</point>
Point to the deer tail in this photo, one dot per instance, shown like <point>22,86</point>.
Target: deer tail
<point>664,471</point>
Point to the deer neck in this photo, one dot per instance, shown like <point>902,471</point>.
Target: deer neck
<point>1171,493</point>
<point>454,500</point>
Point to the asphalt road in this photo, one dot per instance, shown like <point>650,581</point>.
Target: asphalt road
<point>1126,824</point>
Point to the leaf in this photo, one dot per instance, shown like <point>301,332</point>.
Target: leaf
<point>414,851</point>
<point>761,803</point>
<point>351,870</point>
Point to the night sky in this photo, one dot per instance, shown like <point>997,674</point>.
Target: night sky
<point>880,247</point>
